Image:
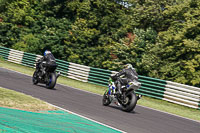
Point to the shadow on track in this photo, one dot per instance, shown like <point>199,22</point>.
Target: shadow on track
<point>119,108</point>
<point>43,86</point>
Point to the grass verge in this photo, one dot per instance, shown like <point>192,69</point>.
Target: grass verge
<point>16,100</point>
<point>145,101</point>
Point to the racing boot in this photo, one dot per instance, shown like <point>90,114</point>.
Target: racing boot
<point>43,72</point>
<point>139,96</point>
<point>120,95</point>
<point>58,74</point>
<point>117,103</point>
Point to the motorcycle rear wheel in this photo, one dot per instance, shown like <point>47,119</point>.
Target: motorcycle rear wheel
<point>131,103</point>
<point>51,81</point>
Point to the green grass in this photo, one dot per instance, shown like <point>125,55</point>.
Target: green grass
<point>145,101</point>
<point>16,100</point>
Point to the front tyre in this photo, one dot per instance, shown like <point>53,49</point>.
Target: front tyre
<point>34,78</point>
<point>51,82</point>
<point>106,100</point>
<point>131,101</point>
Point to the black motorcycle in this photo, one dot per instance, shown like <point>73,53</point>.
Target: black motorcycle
<point>128,102</point>
<point>49,77</point>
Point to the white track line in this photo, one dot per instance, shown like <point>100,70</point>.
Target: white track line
<point>101,95</point>
<point>88,118</point>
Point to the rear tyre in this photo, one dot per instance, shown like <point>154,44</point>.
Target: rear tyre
<point>131,101</point>
<point>51,81</point>
<point>34,78</point>
<point>106,100</point>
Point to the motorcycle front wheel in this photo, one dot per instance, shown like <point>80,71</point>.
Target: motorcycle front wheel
<point>34,78</point>
<point>106,100</point>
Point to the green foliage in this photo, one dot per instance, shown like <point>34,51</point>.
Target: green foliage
<point>176,54</point>
<point>94,30</point>
<point>29,43</point>
<point>9,34</point>
<point>151,13</point>
<point>19,12</point>
<point>160,38</point>
<point>81,37</point>
<point>133,47</point>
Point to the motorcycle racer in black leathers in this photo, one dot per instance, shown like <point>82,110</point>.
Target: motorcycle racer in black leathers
<point>129,74</point>
<point>46,62</point>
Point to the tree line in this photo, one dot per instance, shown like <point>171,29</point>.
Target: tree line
<point>160,38</point>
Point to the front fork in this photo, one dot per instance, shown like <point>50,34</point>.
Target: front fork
<point>109,93</point>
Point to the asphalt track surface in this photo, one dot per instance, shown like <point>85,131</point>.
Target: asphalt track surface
<point>141,120</point>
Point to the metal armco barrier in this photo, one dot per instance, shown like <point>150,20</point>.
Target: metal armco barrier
<point>156,88</point>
